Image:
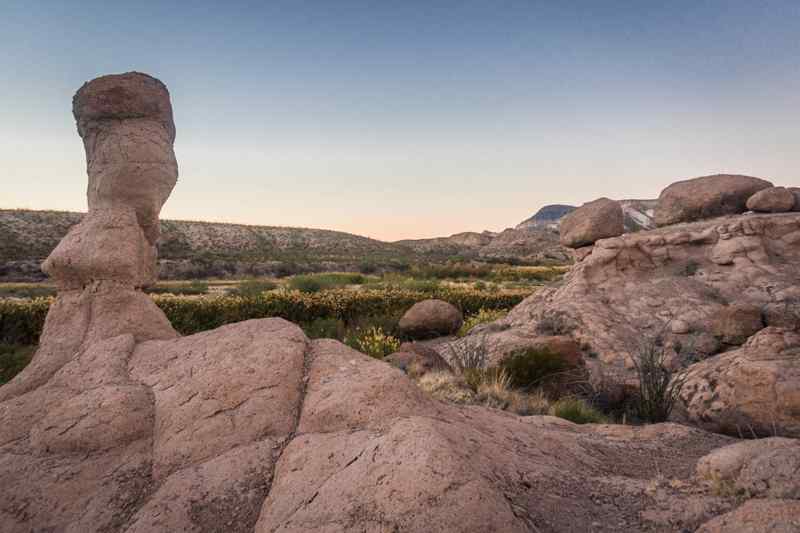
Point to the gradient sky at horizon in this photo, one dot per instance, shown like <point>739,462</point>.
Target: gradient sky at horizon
<point>410,119</point>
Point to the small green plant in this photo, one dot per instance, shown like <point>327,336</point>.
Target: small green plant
<point>577,410</point>
<point>530,367</point>
<point>481,317</point>
<point>658,387</point>
<point>373,342</point>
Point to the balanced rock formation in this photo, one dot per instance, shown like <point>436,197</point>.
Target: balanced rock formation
<point>591,222</point>
<point>706,197</point>
<point>772,200</point>
<point>118,424</point>
<point>430,318</point>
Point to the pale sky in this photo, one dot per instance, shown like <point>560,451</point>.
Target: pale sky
<point>410,119</point>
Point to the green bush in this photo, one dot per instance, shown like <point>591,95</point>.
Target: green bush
<point>26,290</point>
<point>13,358</point>
<point>577,410</point>
<point>531,367</point>
<point>21,321</point>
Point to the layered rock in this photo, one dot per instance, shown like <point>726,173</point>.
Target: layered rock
<point>701,288</point>
<point>706,197</point>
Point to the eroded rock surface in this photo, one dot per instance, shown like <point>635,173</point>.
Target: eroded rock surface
<point>702,288</point>
<point>430,318</point>
<point>120,425</point>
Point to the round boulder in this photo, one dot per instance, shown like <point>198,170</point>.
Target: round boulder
<point>706,197</point>
<point>600,219</point>
<point>430,318</point>
<point>772,200</point>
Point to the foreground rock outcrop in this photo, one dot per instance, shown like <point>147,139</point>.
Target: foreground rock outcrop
<point>120,425</point>
<point>700,289</point>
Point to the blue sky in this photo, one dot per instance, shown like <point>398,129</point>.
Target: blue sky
<point>411,119</point>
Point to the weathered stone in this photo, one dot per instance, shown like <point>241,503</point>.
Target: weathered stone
<point>417,359</point>
<point>600,219</point>
<point>771,200</point>
<point>765,468</point>
<point>706,197</point>
<point>734,324</point>
<point>758,516</point>
<point>748,392</point>
<point>430,318</point>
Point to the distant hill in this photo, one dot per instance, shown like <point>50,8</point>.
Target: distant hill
<point>209,249</point>
<point>638,215</point>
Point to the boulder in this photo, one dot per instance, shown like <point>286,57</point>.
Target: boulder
<point>430,318</point>
<point>772,200</point>
<point>591,222</point>
<point>417,359</point>
<point>764,468</point>
<point>758,516</point>
<point>734,324</point>
<point>753,391</point>
<point>706,197</point>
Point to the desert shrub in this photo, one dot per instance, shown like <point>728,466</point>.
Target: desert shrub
<point>556,323</point>
<point>26,290</point>
<point>194,288</point>
<point>483,316</point>
<point>658,387</point>
<point>21,322</point>
<point>466,356</point>
<point>447,387</point>
<point>13,358</point>
<point>373,342</point>
<point>577,410</point>
<point>530,367</point>
<point>420,285</point>
<point>253,287</point>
